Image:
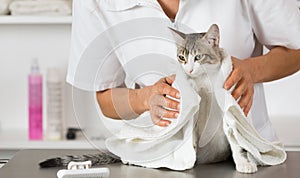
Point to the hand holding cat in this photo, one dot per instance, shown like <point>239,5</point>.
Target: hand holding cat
<point>244,89</point>
<point>159,104</point>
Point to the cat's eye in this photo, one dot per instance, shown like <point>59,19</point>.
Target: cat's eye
<point>181,58</point>
<point>199,57</point>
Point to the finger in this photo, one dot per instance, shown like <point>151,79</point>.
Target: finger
<point>239,89</point>
<point>170,79</point>
<point>245,98</point>
<point>166,89</point>
<point>163,112</point>
<point>169,103</point>
<point>163,123</point>
<point>160,122</point>
<point>171,114</point>
<point>232,79</point>
<point>248,107</point>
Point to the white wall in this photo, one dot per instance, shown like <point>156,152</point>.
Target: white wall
<point>50,43</point>
<point>283,96</point>
<point>18,45</point>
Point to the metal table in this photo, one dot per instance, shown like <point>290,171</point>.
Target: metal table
<point>25,164</point>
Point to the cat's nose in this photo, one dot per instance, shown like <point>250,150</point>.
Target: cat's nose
<point>191,71</point>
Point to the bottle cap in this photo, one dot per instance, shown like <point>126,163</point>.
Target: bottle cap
<point>53,75</point>
<point>35,66</point>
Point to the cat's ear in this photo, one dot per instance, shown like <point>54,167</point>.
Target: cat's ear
<point>213,36</point>
<point>178,36</point>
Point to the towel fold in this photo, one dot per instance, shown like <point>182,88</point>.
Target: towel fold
<point>4,4</point>
<point>41,7</point>
<point>240,131</point>
<point>172,147</point>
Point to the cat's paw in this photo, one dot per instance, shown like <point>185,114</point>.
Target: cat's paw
<point>246,167</point>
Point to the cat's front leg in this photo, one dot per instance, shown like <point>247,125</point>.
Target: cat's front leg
<point>243,163</point>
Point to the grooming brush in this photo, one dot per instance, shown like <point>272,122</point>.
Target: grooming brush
<point>82,170</point>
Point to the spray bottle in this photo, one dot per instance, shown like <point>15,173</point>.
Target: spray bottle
<point>35,88</point>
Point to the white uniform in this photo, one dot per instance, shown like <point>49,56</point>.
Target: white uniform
<point>108,34</point>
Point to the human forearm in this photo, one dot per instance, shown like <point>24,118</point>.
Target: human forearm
<point>121,103</point>
<point>278,63</point>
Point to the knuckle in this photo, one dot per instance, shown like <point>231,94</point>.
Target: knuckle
<point>174,105</point>
<point>236,94</point>
<point>172,92</point>
<point>170,114</point>
<point>242,103</point>
<point>236,71</point>
<point>163,112</point>
<point>230,78</point>
<point>250,92</point>
<point>161,100</point>
<point>165,90</point>
<point>245,104</point>
<point>168,103</point>
<point>233,80</point>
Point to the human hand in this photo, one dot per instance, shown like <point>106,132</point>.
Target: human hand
<point>244,89</point>
<point>159,105</point>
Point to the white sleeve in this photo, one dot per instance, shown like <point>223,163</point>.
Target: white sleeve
<point>93,66</point>
<point>276,23</point>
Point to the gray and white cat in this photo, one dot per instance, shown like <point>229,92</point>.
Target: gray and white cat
<point>198,53</point>
<point>201,57</point>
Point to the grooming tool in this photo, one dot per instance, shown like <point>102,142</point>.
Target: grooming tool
<point>82,170</point>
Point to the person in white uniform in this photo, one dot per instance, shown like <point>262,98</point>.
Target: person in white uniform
<point>245,27</point>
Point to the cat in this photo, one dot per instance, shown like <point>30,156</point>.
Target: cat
<point>193,52</point>
<point>199,53</point>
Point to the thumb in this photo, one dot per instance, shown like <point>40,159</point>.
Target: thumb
<point>170,79</point>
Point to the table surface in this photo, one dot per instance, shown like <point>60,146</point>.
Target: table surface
<point>25,164</point>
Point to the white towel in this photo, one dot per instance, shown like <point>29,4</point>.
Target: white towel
<point>172,147</point>
<point>154,146</point>
<point>41,7</point>
<point>4,4</point>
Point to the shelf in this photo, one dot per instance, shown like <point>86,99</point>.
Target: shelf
<point>287,129</point>
<point>17,139</point>
<point>35,20</point>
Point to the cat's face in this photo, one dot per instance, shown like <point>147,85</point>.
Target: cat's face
<point>198,49</point>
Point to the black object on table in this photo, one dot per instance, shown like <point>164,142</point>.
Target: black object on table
<point>71,133</point>
<point>25,164</point>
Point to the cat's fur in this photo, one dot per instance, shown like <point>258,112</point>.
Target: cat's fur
<point>97,159</point>
<point>196,52</point>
